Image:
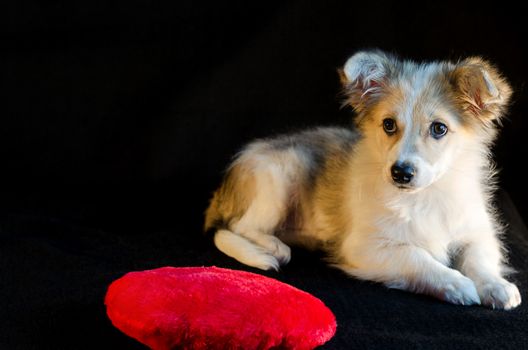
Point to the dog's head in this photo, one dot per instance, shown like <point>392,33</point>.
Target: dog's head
<point>418,119</point>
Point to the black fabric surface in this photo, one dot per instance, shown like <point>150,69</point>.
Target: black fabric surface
<point>119,117</point>
<point>55,273</point>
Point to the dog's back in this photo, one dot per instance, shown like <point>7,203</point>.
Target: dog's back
<point>269,188</point>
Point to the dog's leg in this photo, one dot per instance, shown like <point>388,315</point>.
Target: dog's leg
<point>263,251</point>
<point>482,262</point>
<point>256,244</point>
<point>411,268</point>
<point>244,250</point>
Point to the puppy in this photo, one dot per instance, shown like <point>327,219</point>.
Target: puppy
<point>402,199</point>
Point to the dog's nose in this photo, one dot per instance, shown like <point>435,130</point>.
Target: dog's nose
<point>402,173</point>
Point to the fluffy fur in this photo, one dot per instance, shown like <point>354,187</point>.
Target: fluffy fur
<point>334,189</point>
<point>208,308</point>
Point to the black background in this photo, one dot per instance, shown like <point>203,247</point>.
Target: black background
<point>111,110</point>
<point>118,119</point>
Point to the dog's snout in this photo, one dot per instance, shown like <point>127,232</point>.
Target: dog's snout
<point>402,173</point>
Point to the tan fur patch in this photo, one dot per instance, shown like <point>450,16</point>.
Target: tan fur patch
<point>233,197</point>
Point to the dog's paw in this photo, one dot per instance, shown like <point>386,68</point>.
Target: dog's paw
<point>459,290</point>
<point>281,251</point>
<point>264,262</point>
<point>499,294</point>
<point>275,247</point>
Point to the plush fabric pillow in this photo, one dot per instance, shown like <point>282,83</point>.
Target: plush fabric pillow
<point>214,308</point>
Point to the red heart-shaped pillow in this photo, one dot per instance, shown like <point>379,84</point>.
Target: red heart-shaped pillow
<point>214,308</point>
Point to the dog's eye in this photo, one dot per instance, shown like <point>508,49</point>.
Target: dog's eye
<point>389,125</point>
<point>438,130</point>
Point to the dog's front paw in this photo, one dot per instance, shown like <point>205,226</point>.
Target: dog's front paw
<point>459,290</point>
<point>499,294</point>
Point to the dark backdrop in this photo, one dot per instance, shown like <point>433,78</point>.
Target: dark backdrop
<point>120,112</point>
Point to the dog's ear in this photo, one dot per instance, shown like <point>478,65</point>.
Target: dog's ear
<point>480,90</point>
<point>364,77</point>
